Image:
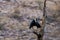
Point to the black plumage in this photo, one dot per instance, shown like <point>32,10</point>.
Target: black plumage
<point>34,23</point>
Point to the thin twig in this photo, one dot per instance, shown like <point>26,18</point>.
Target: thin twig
<point>44,16</point>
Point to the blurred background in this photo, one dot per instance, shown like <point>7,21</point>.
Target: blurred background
<point>16,15</point>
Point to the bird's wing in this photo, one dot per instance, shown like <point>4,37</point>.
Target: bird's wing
<point>38,25</point>
<point>32,23</point>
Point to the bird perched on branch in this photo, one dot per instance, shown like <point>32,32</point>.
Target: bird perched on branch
<point>34,23</point>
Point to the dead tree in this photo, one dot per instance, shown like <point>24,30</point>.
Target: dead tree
<point>40,32</point>
<point>43,20</point>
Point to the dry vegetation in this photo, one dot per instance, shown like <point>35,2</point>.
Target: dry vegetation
<point>15,17</point>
